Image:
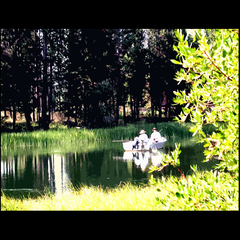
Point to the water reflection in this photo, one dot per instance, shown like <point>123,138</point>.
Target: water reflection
<point>106,166</point>
<point>55,171</point>
<point>144,160</point>
<point>34,172</point>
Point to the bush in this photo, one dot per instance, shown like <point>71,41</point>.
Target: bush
<point>212,104</point>
<point>212,69</point>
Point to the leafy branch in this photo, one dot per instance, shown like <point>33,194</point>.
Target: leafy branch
<point>220,71</point>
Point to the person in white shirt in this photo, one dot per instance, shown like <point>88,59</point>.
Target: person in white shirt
<point>155,136</point>
<point>142,137</point>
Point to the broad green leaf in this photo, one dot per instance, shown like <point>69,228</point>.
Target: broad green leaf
<point>175,48</point>
<point>178,195</point>
<point>224,54</point>
<point>175,62</point>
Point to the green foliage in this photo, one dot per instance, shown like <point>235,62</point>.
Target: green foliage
<point>200,191</point>
<point>172,159</point>
<point>212,69</point>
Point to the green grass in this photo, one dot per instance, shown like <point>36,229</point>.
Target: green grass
<point>208,192</point>
<point>60,134</point>
<point>39,138</point>
<point>126,197</point>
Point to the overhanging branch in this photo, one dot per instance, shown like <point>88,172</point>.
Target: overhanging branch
<point>217,67</point>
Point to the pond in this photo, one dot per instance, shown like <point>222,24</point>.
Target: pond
<point>105,164</point>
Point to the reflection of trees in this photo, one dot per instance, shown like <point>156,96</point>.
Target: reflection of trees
<point>28,176</point>
<point>61,177</point>
<point>103,166</point>
<point>56,170</point>
<point>8,169</point>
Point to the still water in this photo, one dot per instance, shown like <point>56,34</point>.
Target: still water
<point>104,164</point>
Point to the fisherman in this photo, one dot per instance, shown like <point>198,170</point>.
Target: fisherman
<point>155,136</point>
<point>135,145</point>
<point>142,137</point>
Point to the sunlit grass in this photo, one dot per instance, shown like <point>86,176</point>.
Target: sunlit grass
<point>124,197</point>
<point>128,196</point>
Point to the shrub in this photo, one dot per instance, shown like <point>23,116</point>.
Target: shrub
<point>212,69</point>
<point>212,104</point>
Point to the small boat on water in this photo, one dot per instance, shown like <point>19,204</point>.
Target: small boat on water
<point>128,146</point>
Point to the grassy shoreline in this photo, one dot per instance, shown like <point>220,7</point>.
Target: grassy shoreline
<point>162,195</point>
<point>208,190</point>
<point>64,135</point>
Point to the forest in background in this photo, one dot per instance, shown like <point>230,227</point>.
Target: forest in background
<point>88,75</point>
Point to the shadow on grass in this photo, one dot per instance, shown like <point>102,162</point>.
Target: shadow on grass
<point>21,193</point>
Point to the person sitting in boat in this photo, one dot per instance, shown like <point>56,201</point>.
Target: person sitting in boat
<point>142,137</point>
<point>155,136</point>
<point>135,145</point>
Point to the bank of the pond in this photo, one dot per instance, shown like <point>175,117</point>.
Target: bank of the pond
<point>208,191</point>
<point>59,135</point>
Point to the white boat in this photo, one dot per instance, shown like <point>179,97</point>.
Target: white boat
<point>128,146</point>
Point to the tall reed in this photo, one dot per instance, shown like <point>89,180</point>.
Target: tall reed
<point>58,136</point>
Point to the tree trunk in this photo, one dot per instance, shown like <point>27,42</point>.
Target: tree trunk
<point>132,107</point>
<point>117,109</point>
<point>33,115</point>
<point>38,95</point>
<point>10,112</point>
<point>68,115</point>
<point>168,109</point>
<point>27,113</point>
<point>45,86</point>
<point>160,108</point>
<point>76,113</point>
<point>39,110</point>
<point>14,116</point>
<point>124,112</point>
<point>136,103</point>
<point>152,107</point>
<point>50,93</point>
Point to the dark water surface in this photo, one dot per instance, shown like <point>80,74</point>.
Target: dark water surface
<point>104,164</point>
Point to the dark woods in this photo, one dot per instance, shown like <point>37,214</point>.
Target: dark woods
<point>88,75</point>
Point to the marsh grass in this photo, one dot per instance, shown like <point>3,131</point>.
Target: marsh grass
<point>43,138</point>
<point>221,194</point>
<point>60,135</point>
